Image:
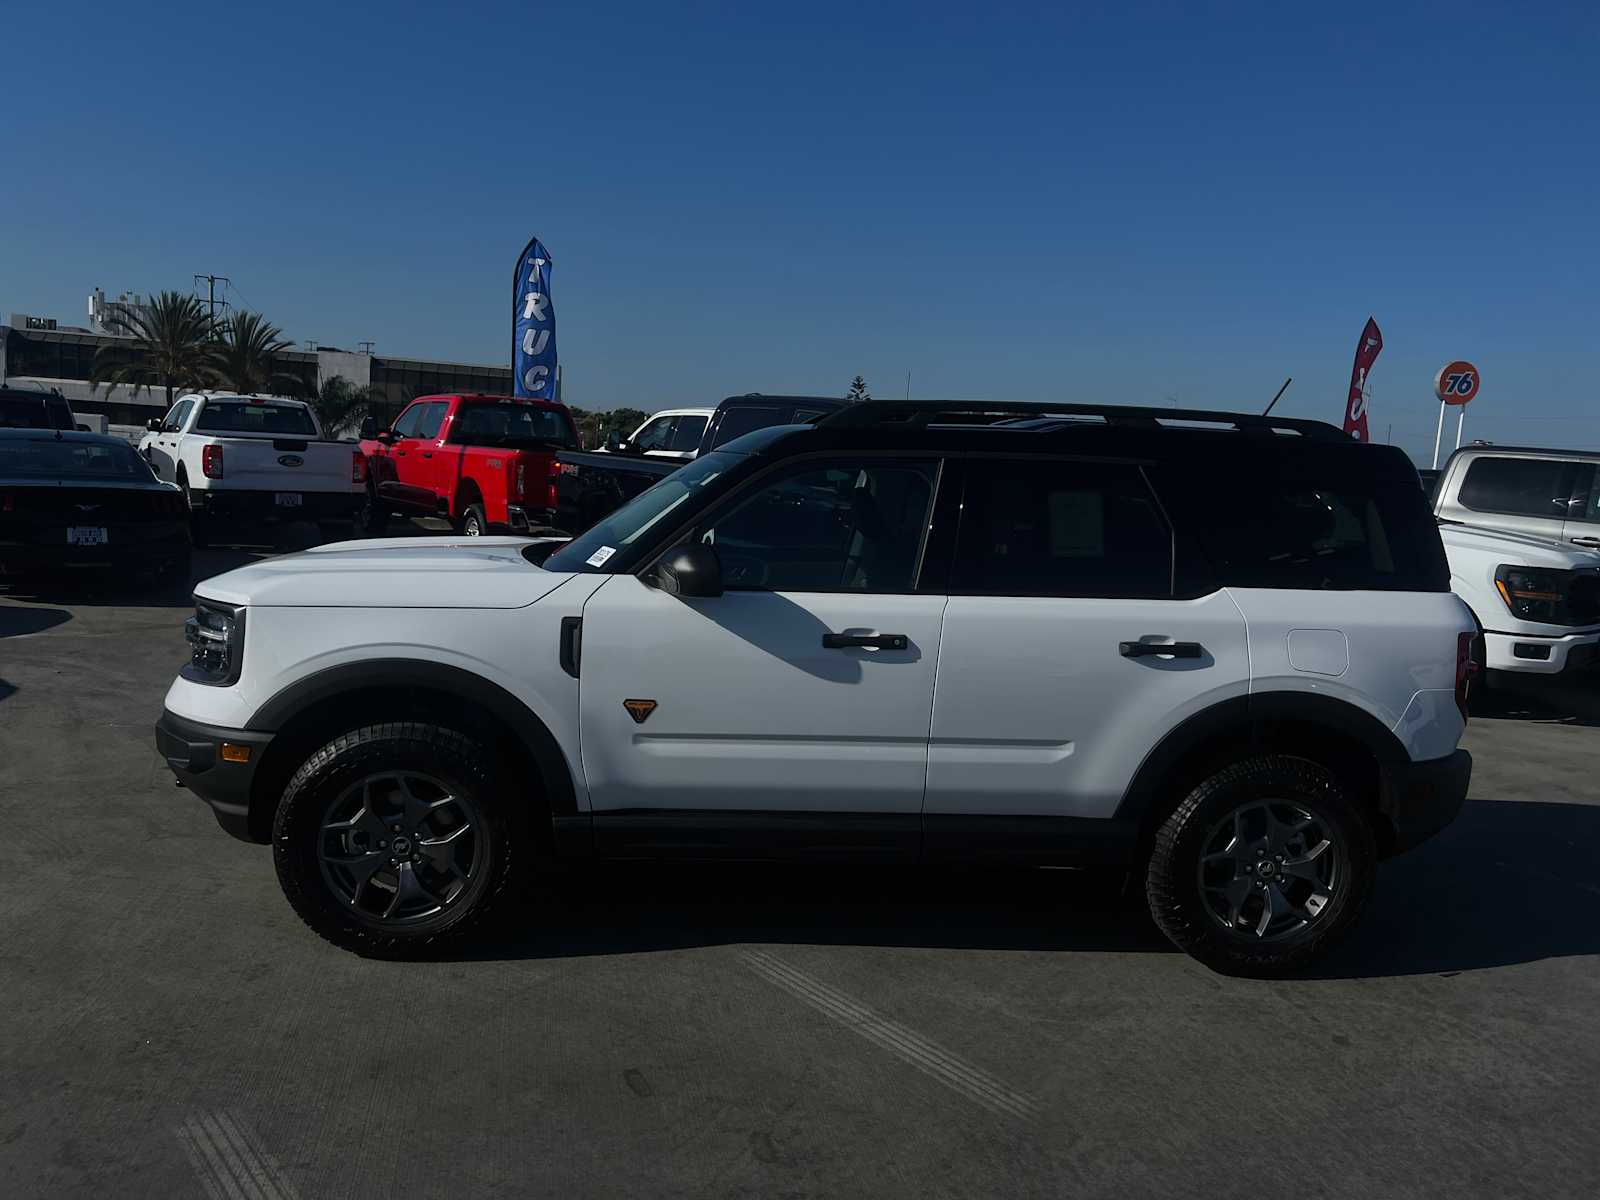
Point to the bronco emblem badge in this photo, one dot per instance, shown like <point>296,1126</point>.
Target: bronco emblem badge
<point>639,709</point>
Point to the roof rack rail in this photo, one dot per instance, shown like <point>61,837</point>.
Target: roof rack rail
<point>917,414</point>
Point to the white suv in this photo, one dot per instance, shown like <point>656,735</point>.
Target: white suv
<point>1218,650</point>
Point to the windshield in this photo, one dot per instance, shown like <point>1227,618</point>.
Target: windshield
<point>507,424</point>
<point>48,458</point>
<point>241,416</point>
<point>590,549</point>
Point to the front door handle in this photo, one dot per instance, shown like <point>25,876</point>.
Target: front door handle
<point>877,641</point>
<point>1172,649</point>
<point>427,454</point>
<point>1586,541</point>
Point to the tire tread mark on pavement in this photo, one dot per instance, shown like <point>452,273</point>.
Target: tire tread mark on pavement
<point>904,1043</point>
<point>230,1161</point>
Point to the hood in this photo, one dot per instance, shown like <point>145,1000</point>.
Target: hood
<point>1518,549</point>
<point>436,572</point>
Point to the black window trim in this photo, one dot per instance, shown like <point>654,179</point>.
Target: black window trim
<point>981,457</point>
<point>721,503</point>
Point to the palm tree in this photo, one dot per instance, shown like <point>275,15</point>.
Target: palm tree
<point>246,355</point>
<point>340,404</point>
<point>171,345</point>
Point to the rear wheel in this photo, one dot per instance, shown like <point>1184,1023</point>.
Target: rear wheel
<point>1262,867</point>
<point>473,523</point>
<point>394,837</point>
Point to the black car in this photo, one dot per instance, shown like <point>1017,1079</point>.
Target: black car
<point>70,500</point>
<point>23,409</point>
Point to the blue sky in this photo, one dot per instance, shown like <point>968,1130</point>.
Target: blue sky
<point>1130,203</point>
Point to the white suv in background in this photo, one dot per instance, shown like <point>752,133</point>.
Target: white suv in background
<point>1219,651</point>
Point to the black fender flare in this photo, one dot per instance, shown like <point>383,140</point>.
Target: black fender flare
<point>1248,717</point>
<point>401,673</point>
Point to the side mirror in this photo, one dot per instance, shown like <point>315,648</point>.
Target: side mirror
<point>614,441</point>
<point>153,424</point>
<point>692,569</point>
<point>369,428</point>
<point>386,436</point>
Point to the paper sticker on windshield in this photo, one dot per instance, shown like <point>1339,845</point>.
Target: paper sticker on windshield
<point>600,555</point>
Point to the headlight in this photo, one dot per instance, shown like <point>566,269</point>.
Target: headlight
<point>216,643</point>
<point>1533,594</point>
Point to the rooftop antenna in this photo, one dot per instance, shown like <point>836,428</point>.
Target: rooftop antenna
<point>1281,391</point>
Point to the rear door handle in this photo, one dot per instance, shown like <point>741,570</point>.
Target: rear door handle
<point>878,641</point>
<point>427,454</point>
<point>1147,649</point>
<point>1586,541</point>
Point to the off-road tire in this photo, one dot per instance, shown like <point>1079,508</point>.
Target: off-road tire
<point>1172,885</point>
<point>446,754</point>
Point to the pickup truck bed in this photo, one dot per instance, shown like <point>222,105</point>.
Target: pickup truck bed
<point>245,463</point>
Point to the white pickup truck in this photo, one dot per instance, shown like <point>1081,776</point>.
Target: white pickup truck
<point>1537,599</point>
<point>246,463</point>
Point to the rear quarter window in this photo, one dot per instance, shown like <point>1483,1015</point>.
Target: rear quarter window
<point>1269,526</point>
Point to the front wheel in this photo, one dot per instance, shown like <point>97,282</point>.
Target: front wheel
<point>394,837</point>
<point>1262,867</point>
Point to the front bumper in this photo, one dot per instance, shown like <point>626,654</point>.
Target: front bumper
<point>1421,798</point>
<point>262,508</point>
<point>1538,654</point>
<point>194,753</point>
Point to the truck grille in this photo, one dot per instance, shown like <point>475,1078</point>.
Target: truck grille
<point>1583,599</point>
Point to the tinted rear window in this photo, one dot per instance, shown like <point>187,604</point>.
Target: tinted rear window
<point>38,457</point>
<point>243,417</point>
<point>20,412</point>
<point>1528,487</point>
<point>1283,528</point>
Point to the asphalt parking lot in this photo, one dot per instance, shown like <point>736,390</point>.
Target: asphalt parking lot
<point>171,1029</point>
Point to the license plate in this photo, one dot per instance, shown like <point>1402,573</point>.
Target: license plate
<point>286,499</point>
<point>86,535</point>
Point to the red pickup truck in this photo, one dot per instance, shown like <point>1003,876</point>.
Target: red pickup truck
<point>488,463</point>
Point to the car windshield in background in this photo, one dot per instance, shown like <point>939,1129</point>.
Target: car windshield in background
<point>22,458</point>
<point>590,549</point>
<point>509,424</point>
<point>242,416</point>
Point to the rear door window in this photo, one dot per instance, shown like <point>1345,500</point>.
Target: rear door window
<point>1528,487</point>
<point>1032,527</point>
